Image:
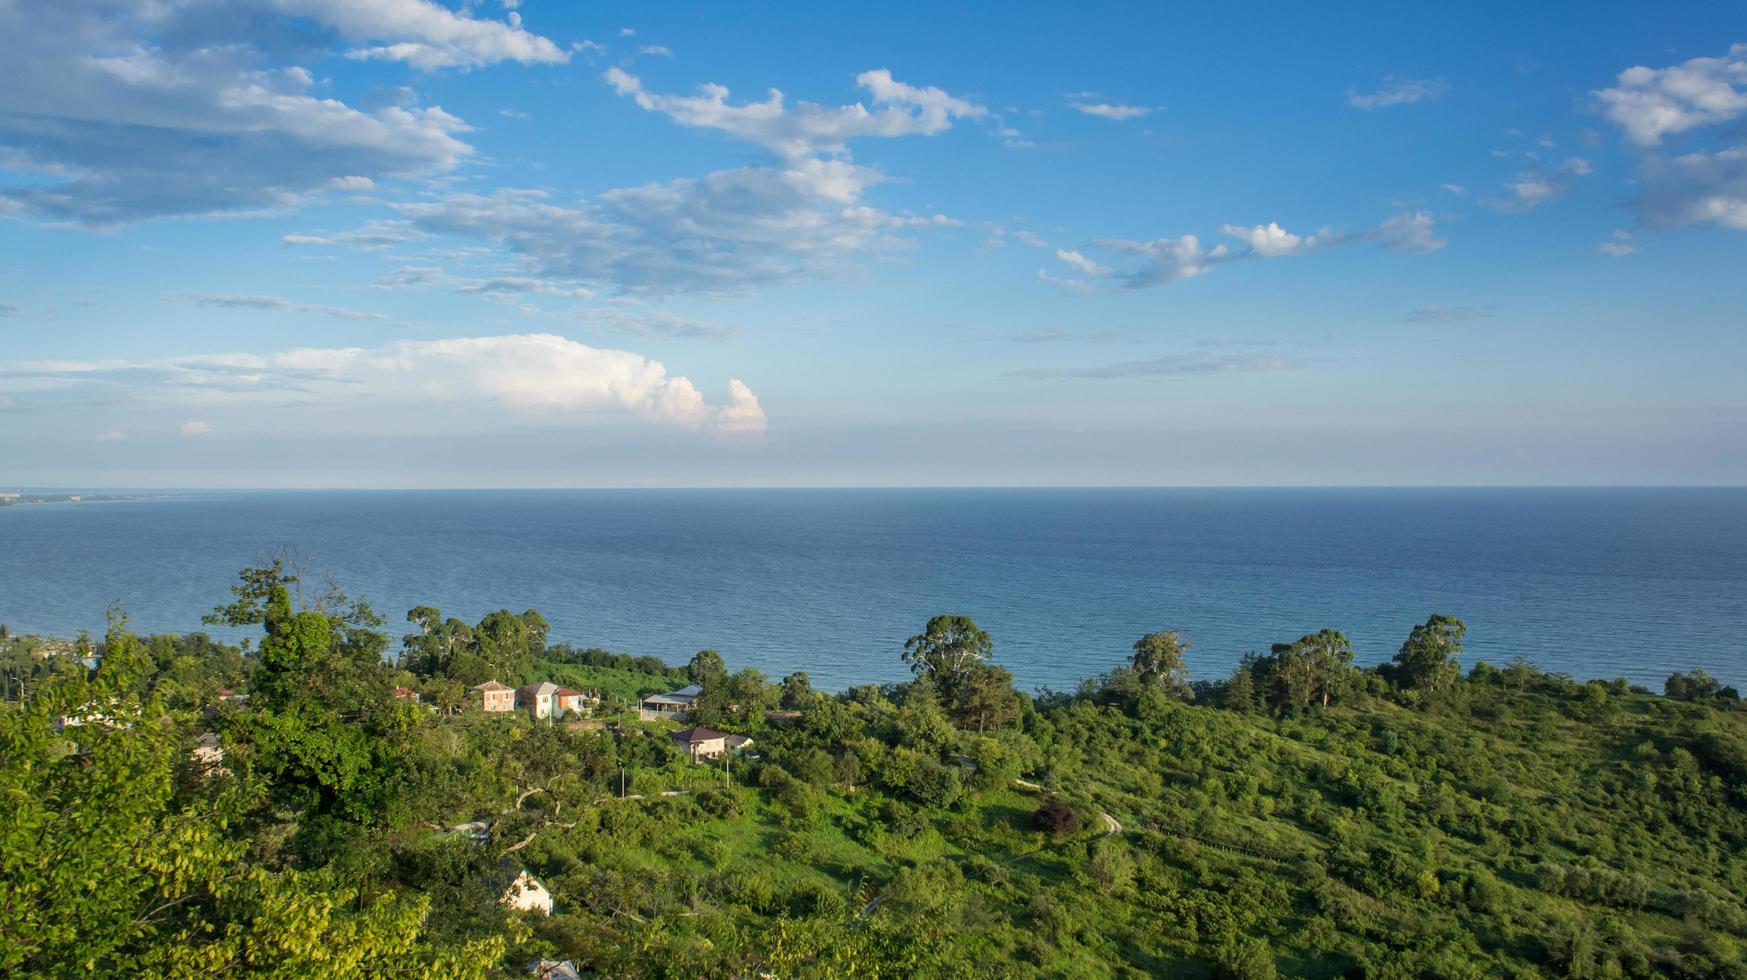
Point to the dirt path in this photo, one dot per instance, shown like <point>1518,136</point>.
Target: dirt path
<point>1112,826</point>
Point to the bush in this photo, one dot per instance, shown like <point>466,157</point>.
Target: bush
<point>1056,818</point>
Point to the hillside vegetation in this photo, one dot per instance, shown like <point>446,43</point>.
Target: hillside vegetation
<point>1303,817</point>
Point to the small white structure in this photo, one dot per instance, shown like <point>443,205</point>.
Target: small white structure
<point>525,894</point>
<point>208,753</point>
<point>537,700</point>
<point>673,706</point>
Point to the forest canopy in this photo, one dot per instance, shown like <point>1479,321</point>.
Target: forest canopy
<point>329,799</point>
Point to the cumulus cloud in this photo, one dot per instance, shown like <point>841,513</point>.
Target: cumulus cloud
<point>126,112</point>
<point>112,435</point>
<point>535,377</point>
<point>807,128</point>
<point>1114,111</point>
<point>1271,240</point>
<point>426,35</point>
<point>1397,90</point>
<point>1650,103</point>
<point>195,427</point>
<point>1696,187</point>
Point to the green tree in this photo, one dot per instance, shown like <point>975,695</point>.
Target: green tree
<point>797,691</point>
<point>986,698</point>
<point>706,667</point>
<point>1158,659</point>
<point>1427,660</point>
<point>946,651</point>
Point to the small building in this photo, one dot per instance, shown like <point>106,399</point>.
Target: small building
<point>406,694</point>
<point>568,701</point>
<point>537,699</point>
<point>526,894</point>
<point>555,970</point>
<point>672,706</point>
<point>496,697</point>
<point>701,742</point>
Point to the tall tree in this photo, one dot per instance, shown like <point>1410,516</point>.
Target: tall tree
<point>706,666</point>
<point>1158,659</point>
<point>946,650</point>
<point>986,698</point>
<point>1427,660</point>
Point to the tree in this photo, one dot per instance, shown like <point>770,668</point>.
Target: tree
<point>1158,659</point>
<point>1428,659</point>
<point>986,697</point>
<point>1240,690</point>
<point>1695,685</point>
<point>1330,654</point>
<point>705,667</point>
<point>797,691</point>
<point>946,650</point>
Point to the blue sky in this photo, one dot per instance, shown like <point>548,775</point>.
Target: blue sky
<point>395,243</point>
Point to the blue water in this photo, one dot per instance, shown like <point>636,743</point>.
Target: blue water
<point>1593,582</point>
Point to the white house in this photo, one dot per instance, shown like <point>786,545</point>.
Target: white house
<point>672,706</point>
<point>538,700</point>
<point>525,894</point>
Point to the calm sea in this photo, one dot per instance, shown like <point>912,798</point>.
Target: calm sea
<point>1593,582</point>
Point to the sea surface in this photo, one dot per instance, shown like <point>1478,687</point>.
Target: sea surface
<point>1591,582</point>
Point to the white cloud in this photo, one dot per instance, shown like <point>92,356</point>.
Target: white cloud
<point>1650,103</point>
<point>1697,187</point>
<point>1271,240</point>
<point>196,428</point>
<point>1078,285</point>
<point>1396,90</point>
<point>1456,189</point>
<point>1410,231</point>
<point>353,183</point>
<point>1166,260</point>
<point>128,112</point>
<point>1616,249</point>
<point>726,232</point>
<point>655,50</point>
<point>1080,262</point>
<point>426,35</point>
<point>113,435</point>
<point>1027,237</point>
<point>1539,183</point>
<point>539,378</point>
<point>806,128</point>
<point>1117,112</point>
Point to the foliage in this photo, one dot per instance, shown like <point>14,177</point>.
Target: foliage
<point>1302,817</point>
